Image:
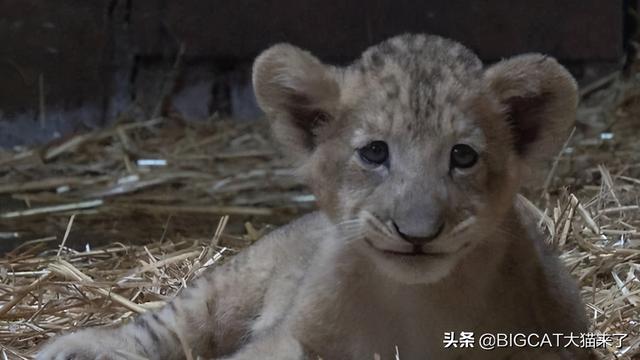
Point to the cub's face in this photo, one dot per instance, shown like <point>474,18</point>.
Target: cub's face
<point>415,150</point>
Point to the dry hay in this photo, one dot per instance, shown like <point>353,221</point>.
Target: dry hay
<point>115,222</point>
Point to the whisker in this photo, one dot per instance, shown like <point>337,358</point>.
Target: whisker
<point>348,222</point>
<point>349,229</point>
<point>374,222</point>
<point>463,224</point>
<point>349,239</point>
<point>507,232</point>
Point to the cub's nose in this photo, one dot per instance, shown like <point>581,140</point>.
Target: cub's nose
<point>419,240</point>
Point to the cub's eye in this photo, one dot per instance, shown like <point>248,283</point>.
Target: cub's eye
<point>376,152</point>
<point>463,156</point>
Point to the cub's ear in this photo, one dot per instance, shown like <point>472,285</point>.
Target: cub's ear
<point>539,99</point>
<point>298,93</point>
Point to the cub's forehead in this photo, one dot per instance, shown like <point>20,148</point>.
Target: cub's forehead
<point>415,84</point>
<point>418,53</point>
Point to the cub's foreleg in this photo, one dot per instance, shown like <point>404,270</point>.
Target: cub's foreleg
<point>276,345</point>
<point>210,318</point>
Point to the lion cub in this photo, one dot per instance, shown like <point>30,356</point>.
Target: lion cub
<point>415,153</point>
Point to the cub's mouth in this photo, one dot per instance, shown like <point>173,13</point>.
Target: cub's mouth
<point>417,251</point>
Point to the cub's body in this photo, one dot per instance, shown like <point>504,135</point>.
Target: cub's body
<point>415,153</point>
<point>350,310</point>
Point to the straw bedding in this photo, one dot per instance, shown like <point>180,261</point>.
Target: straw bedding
<point>100,226</point>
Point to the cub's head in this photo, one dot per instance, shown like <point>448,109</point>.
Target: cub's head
<point>415,150</point>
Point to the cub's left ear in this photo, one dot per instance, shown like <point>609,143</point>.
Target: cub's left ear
<point>539,98</point>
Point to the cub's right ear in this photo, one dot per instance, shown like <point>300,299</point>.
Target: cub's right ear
<point>298,93</point>
<point>539,99</point>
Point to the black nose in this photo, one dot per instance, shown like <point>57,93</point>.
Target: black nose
<point>419,240</point>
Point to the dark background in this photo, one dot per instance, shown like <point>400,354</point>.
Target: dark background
<point>67,66</point>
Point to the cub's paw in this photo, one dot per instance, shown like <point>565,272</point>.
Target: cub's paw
<point>84,345</point>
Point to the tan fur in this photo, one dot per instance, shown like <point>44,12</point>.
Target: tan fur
<point>340,283</point>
